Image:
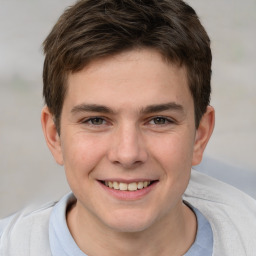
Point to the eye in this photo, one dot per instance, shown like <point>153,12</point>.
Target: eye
<point>95,121</point>
<point>159,120</point>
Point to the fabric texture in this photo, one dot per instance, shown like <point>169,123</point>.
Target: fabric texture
<point>203,244</point>
<point>230,212</point>
<point>26,233</point>
<point>61,241</point>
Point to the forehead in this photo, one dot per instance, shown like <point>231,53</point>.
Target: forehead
<point>137,76</point>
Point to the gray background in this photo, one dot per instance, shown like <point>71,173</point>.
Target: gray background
<point>28,172</point>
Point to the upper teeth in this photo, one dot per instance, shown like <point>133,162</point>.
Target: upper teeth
<point>127,186</point>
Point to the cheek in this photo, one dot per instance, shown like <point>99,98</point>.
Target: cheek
<point>173,150</point>
<point>174,154</point>
<point>81,154</point>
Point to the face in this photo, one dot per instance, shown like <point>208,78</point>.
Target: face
<point>128,139</point>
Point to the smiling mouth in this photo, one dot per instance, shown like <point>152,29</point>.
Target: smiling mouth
<point>133,186</point>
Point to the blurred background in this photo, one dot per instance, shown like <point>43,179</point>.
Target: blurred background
<point>28,172</point>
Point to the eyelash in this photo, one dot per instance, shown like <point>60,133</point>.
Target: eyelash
<point>162,118</point>
<point>103,121</point>
<point>90,120</point>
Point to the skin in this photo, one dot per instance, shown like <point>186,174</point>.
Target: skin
<point>129,117</point>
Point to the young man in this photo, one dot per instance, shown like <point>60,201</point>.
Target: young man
<point>127,88</point>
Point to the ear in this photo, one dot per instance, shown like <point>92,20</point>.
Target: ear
<point>51,135</point>
<point>203,134</point>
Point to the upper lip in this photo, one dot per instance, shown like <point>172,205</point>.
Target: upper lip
<point>128,180</point>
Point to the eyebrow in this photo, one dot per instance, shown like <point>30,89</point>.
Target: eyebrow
<point>147,110</point>
<point>91,108</point>
<point>163,107</point>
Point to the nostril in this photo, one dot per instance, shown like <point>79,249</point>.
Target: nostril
<point>127,164</point>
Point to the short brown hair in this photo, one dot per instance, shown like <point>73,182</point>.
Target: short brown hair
<point>92,29</point>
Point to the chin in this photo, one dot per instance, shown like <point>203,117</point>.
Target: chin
<point>130,223</point>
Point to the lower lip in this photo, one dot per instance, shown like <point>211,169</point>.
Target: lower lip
<point>129,195</point>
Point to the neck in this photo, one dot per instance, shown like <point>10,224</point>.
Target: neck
<point>173,234</point>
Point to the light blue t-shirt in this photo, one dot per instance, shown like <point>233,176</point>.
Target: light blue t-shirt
<point>63,244</point>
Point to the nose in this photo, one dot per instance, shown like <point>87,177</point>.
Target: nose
<point>127,147</point>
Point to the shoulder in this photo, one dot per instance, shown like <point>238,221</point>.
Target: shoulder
<point>208,189</point>
<point>25,230</point>
<point>230,212</point>
<point>4,223</point>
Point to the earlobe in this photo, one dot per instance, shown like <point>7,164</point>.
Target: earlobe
<point>203,134</point>
<point>51,135</point>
